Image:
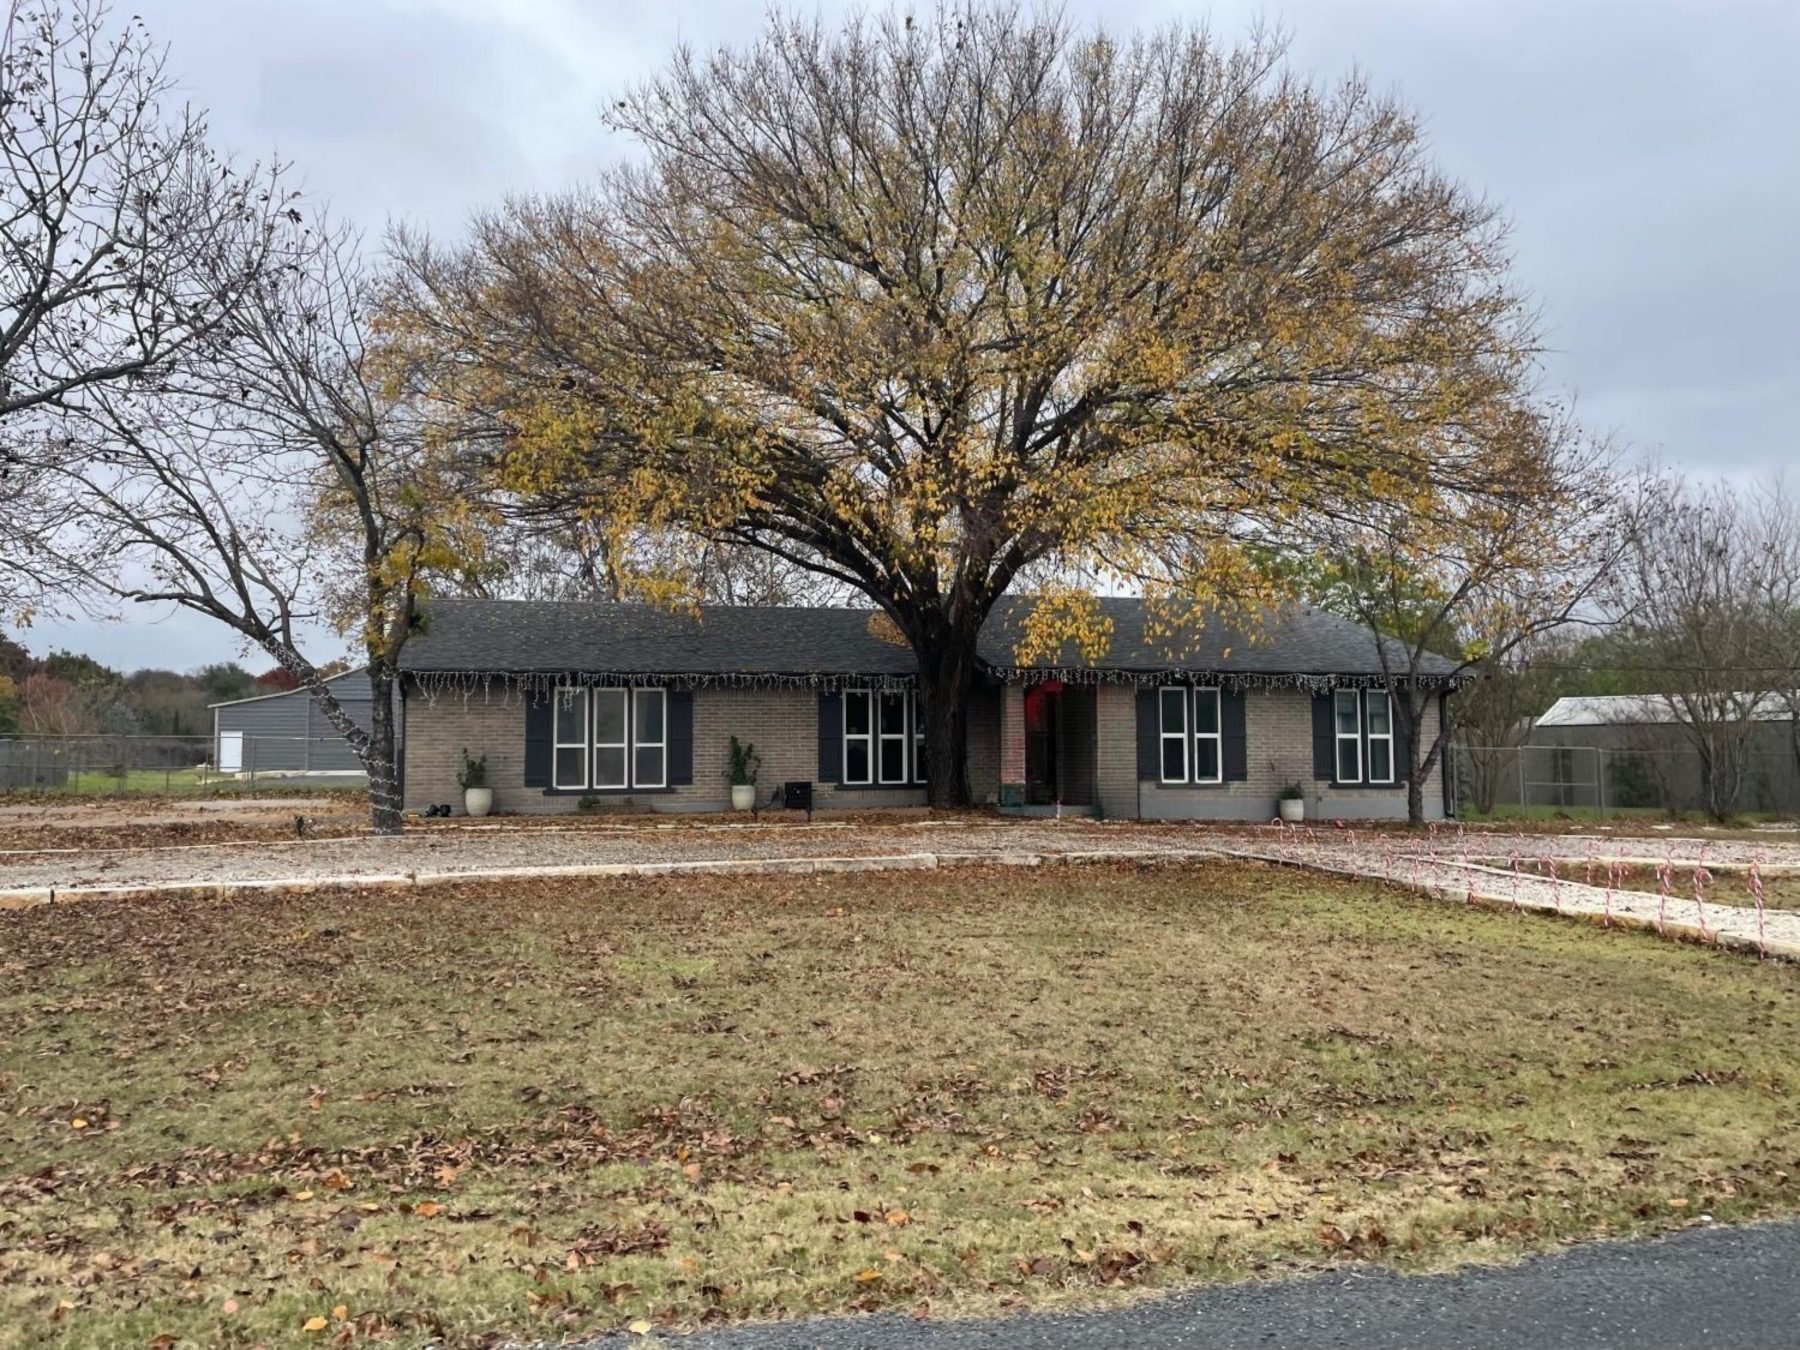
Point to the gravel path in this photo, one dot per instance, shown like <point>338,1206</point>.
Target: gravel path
<point>1700,1288</point>
<point>1449,864</point>
<point>502,849</point>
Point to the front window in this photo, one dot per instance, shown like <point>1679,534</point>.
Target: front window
<point>893,738</point>
<point>1379,715</point>
<point>1173,702</point>
<point>610,739</point>
<point>859,736</point>
<point>884,738</point>
<point>649,738</point>
<point>1349,736</point>
<point>1208,757</point>
<point>571,739</point>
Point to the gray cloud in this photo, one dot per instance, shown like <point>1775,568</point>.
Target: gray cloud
<point>1648,155</point>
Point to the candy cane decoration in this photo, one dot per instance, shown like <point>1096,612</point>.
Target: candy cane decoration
<point>1612,881</point>
<point>1515,878</point>
<point>1555,882</point>
<point>1702,879</point>
<point>1665,881</point>
<point>1756,892</point>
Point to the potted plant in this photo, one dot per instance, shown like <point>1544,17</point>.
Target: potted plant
<point>478,797</point>
<point>742,773</point>
<point>1292,804</point>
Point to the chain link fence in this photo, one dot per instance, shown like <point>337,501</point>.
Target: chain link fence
<point>1604,780</point>
<point>171,765</point>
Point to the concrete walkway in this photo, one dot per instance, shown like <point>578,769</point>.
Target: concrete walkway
<point>1478,874</point>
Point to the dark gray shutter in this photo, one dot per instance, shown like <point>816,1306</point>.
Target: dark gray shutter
<point>1400,705</point>
<point>681,737</point>
<point>1148,729</point>
<point>1324,747</point>
<point>538,714</point>
<point>1236,739</point>
<point>831,738</point>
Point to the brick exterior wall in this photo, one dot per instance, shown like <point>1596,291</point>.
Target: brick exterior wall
<point>1012,738</point>
<point>1115,750</point>
<point>783,724</point>
<point>1278,730</point>
<point>984,745</point>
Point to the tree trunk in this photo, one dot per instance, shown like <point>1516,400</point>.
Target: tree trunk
<point>374,747</point>
<point>379,759</point>
<point>946,676</point>
<point>1420,758</point>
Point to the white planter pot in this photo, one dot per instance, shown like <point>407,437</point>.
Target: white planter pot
<point>743,796</point>
<point>1293,810</point>
<point>478,801</point>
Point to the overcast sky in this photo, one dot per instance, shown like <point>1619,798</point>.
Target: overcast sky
<point>1647,152</point>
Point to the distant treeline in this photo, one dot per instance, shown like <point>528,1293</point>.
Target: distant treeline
<point>66,694</point>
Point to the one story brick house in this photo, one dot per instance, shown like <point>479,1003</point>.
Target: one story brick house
<point>597,706</point>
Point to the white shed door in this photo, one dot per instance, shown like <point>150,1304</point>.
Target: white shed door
<point>231,751</point>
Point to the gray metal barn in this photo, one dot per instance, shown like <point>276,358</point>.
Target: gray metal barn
<point>1627,751</point>
<point>288,732</point>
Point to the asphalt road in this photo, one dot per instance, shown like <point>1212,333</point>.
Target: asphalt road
<point>1703,1287</point>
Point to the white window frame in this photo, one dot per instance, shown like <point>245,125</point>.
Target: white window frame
<point>596,745</point>
<point>1339,736</point>
<point>883,736</point>
<point>867,737</point>
<point>1216,735</point>
<point>1370,736</point>
<point>631,734</point>
<point>557,744</point>
<point>1164,735</point>
<point>918,735</point>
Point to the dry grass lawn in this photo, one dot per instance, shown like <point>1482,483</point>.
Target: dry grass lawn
<point>539,1110</point>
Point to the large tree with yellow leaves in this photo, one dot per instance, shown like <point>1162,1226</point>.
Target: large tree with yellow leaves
<point>951,306</point>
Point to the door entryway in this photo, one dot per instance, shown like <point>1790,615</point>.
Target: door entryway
<point>1059,745</point>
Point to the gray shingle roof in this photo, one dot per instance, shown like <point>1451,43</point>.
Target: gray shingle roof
<point>546,637</point>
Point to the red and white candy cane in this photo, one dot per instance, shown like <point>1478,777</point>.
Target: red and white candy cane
<point>1555,882</point>
<point>1756,893</point>
<point>1612,882</point>
<point>1702,879</point>
<point>1666,882</point>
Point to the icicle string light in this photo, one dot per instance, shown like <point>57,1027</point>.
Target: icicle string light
<point>435,683</point>
<point>514,686</point>
<point>1231,681</point>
